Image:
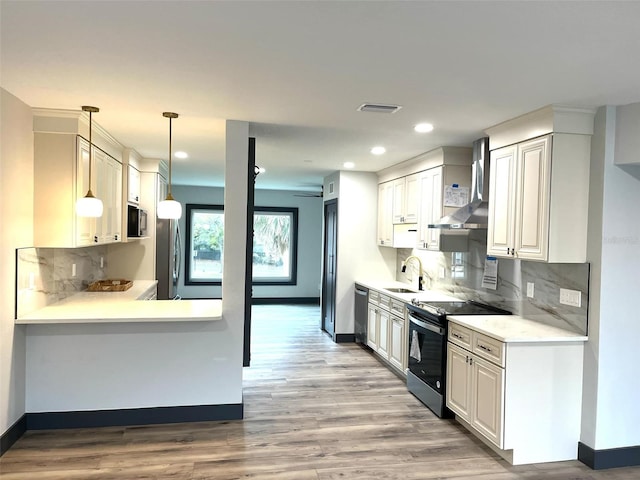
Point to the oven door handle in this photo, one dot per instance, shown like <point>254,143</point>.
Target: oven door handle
<point>425,325</point>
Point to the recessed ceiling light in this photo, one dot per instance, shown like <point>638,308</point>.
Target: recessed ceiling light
<point>423,127</point>
<point>378,150</point>
<point>181,155</point>
<point>348,164</point>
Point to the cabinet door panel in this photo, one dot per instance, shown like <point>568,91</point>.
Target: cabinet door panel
<point>532,214</point>
<point>383,333</point>
<point>385,214</point>
<point>412,189</point>
<point>372,328</point>
<point>501,197</point>
<point>399,193</point>
<point>396,350</point>
<point>487,412</point>
<point>458,381</point>
<point>433,241</point>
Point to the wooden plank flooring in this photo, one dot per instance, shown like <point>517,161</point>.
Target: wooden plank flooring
<point>314,410</point>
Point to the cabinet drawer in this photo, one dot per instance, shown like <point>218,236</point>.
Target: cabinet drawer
<point>384,302</point>
<point>374,297</point>
<point>397,308</point>
<point>460,335</point>
<point>488,348</point>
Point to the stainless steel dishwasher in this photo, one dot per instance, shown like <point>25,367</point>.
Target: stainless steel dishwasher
<point>361,313</point>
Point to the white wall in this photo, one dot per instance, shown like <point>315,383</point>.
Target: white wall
<point>309,240</point>
<point>612,385</point>
<point>359,257</point>
<point>16,218</point>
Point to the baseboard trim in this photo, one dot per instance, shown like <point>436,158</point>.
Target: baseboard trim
<point>133,416</point>
<point>609,458</point>
<point>345,338</point>
<point>12,435</point>
<point>286,301</point>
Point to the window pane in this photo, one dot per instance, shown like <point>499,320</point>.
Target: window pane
<point>206,246</point>
<point>272,240</point>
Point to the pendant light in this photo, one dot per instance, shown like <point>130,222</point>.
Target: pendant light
<point>169,207</point>
<point>89,206</point>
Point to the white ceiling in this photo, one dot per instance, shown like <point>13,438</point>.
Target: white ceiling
<point>297,71</point>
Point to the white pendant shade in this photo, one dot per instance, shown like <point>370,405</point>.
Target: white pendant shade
<point>169,209</point>
<point>89,207</point>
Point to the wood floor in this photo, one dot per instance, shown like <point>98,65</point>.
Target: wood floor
<point>314,410</point>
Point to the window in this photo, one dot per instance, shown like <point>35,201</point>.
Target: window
<point>274,245</point>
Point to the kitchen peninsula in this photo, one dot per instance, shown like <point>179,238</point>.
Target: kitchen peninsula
<point>127,306</point>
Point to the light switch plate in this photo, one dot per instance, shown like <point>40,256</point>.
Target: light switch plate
<point>570,297</point>
<point>530,289</point>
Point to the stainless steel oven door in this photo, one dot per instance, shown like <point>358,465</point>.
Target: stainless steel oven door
<point>427,343</point>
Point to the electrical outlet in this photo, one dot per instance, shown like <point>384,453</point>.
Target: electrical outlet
<point>73,269</point>
<point>530,289</point>
<point>570,297</point>
<point>442,272</point>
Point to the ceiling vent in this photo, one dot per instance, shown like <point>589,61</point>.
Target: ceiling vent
<point>378,108</point>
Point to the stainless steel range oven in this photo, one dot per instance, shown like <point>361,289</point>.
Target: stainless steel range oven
<point>426,378</point>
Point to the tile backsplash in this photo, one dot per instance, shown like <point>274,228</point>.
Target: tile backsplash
<point>463,273</point>
<point>45,275</point>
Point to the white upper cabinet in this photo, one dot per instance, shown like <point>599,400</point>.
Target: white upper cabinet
<point>405,199</point>
<point>133,185</point>
<point>431,195</point>
<point>539,188</point>
<point>410,196</point>
<point>385,214</point>
<point>61,177</point>
<point>519,200</point>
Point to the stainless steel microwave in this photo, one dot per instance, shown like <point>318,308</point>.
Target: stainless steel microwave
<point>136,222</point>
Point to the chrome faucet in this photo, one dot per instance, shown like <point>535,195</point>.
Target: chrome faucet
<point>420,271</point>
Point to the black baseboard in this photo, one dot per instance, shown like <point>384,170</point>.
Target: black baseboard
<point>12,435</point>
<point>133,416</point>
<point>609,458</point>
<point>345,338</point>
<point>286,301</point>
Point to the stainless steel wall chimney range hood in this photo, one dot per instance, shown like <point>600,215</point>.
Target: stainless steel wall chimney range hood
<point>474,215</point>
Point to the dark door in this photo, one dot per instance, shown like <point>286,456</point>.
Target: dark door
<point>329,267</point>
<point>248,278</point>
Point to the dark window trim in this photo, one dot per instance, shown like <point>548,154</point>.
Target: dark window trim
<point>187,251</point>
<point>261,281</point>
<point>294,246</point>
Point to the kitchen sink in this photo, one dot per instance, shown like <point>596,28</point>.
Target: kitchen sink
<point>400,290</point>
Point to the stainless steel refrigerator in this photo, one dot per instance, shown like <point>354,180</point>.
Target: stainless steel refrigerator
<point>168,258</point>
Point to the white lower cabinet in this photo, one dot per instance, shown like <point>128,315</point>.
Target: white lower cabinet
<point>378,331</point>
<point>386,329</point>
<point>522,398</point>
<point>397,335</point>
<point>475,392</point>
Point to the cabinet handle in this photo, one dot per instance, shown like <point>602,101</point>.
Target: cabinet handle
<point>470,361</point>
<point>115,237</point>
<point>486,349</point>
<point>95,239</point>
<point>466,359</point>
<point>457,336</point>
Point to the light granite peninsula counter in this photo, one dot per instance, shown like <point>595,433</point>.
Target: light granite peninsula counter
<point>124,307</point>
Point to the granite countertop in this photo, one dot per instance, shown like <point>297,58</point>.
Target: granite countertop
<point>516,329</point>
<point>122,307</point>
<point>423,295</point>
